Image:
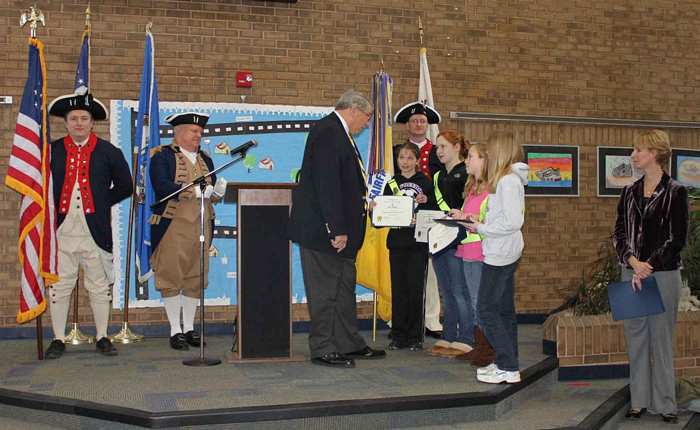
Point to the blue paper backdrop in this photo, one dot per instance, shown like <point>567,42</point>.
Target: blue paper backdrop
<point>281,133</point>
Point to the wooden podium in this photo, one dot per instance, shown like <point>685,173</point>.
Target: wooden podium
<point>264,270</point>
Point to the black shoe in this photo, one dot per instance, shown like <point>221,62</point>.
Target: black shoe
<point>394,345</point>
<point>670,418</point>
<point>55,349</point>
<point>104,346</point>
<point>367,353</point>
<point>416,346</point>
<point>192,337</point>
<point>433,334</point>
<point>635,413</point>
<point>179,342</point>
<point>333,359</point>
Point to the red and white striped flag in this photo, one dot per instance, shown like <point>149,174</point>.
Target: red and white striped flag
<point>29,173</point>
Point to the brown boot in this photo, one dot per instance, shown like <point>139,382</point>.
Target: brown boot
<point>485,354</point>
<point>478,346</point>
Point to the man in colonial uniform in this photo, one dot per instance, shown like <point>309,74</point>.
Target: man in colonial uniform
<point>90,175</point>
<point>175,223</point>
<point>418,116</point>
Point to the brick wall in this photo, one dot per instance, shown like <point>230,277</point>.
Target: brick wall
<point>598,340</point>
<point>544,57</point>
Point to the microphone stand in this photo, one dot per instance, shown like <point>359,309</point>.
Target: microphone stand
<point>202,184</point>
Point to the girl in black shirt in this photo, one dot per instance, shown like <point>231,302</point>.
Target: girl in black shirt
<point>408,258</point>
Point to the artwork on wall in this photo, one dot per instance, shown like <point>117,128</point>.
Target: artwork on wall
<point>685,168</point>
<point>615,170</point>
<point>553,170</point>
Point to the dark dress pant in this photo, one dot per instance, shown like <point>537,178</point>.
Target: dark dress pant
<point>330,282</point>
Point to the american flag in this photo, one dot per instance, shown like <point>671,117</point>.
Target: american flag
<point>29,173</point>
<point>82,71</point>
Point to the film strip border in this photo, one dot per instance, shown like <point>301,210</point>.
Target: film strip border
<point>258,127</point>
<point>234,128</point>
<point>225,232</point>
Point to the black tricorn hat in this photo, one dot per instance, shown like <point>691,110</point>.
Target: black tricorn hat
<point>415,108</point>
<point>62,105</point>
<point>195,118</point>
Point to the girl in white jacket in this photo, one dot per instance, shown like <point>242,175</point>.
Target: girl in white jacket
<point>502,245</point>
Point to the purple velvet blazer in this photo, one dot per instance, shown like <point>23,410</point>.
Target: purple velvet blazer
<point>654,231</point>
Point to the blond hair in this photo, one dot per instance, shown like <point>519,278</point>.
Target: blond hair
<point>655,140</point>
<point>502,151</point>
<point>478,185</point>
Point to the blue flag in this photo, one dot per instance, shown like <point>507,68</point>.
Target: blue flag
<point>147,138</point>
<point>82,72</point>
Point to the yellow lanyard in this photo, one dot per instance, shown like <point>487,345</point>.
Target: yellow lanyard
<point>359,160</point>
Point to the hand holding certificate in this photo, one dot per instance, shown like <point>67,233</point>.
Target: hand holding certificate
<point>424,221</point>
<point>392,211</point>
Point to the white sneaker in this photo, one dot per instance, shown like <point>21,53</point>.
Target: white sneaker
<point>487,369</point>
<point>499,376</point>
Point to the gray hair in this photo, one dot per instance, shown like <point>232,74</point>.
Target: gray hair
<point>352,98</point>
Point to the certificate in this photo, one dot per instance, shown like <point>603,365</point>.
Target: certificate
<point>392,211</point>
<point>424,221</point>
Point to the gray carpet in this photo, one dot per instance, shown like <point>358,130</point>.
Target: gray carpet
<point>149,375</point>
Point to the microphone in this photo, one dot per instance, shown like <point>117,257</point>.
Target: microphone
<point>243,148</point>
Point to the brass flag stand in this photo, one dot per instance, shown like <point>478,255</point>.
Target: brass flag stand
<point>75,336</point>
<point>125,335</point>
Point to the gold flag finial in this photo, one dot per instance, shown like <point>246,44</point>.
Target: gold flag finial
<point>420,30</point>
<point>32,16</point>
<point>87,17</point>
<point>149,26</point>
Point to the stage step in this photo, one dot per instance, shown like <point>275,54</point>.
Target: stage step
<point>451,411</point>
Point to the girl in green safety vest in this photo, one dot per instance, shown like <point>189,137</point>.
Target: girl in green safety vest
<point>470,251</point>
<point>458,322</point>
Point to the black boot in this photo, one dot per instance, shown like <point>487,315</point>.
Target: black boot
<point>179,342</point>
<point>55,350</point>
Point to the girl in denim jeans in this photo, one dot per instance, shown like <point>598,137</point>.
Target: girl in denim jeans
<point>502,245</point>
<point>458,323</point>
<point>470,250</point>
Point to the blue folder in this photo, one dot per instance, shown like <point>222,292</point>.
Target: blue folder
<point>626,303</point>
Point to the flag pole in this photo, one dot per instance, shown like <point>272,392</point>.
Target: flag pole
<point>88,28</point>
<point>125,335</point>
<point>33,16</point>
<point>39,339</point>
<point>76,336</point>
<point>420,30</point>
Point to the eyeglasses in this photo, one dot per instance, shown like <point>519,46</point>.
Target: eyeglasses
<point>367,114</point>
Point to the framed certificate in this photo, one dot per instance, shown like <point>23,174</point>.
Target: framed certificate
<point>392,211</point>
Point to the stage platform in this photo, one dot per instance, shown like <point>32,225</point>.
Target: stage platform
<point>147,385</point>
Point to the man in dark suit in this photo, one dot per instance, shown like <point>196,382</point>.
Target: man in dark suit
<point>328,222</point>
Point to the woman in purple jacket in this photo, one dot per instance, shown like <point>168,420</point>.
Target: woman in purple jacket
<point>650,232</point>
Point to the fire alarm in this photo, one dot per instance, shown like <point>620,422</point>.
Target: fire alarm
<point>244,79</point>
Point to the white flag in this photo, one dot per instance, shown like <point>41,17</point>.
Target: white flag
<point>425,91</point>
